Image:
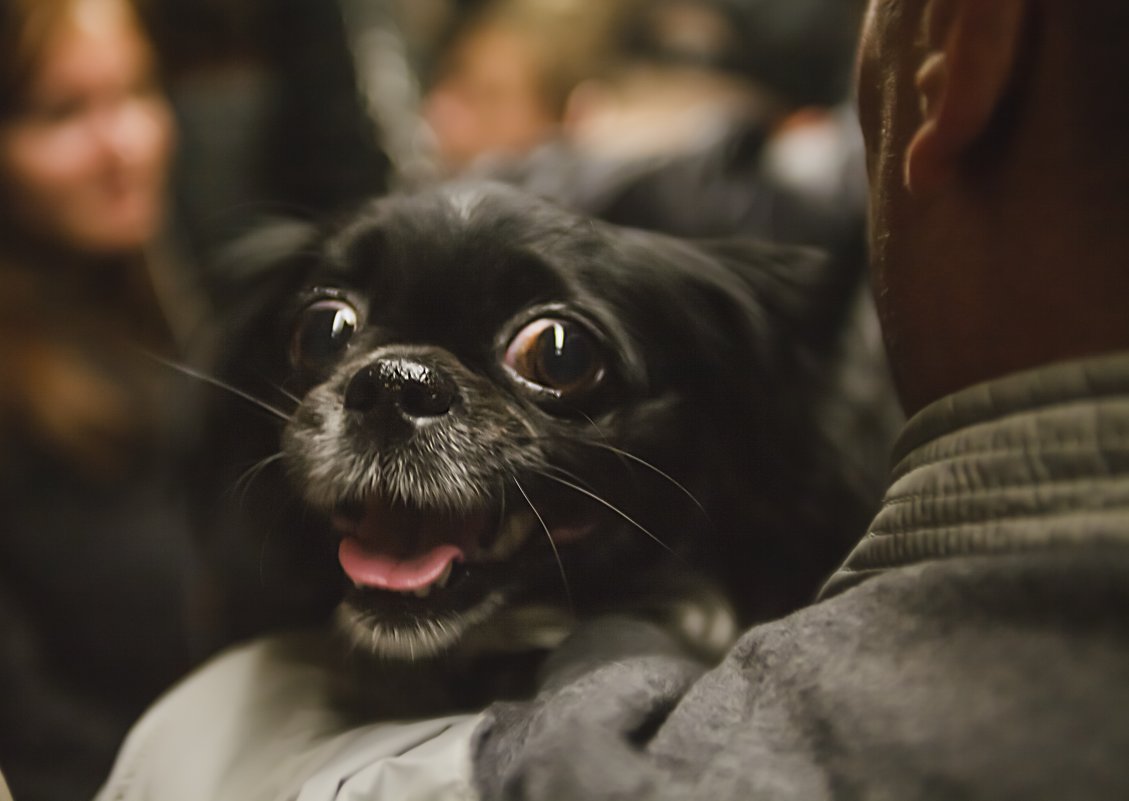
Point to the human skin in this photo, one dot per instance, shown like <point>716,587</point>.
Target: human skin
<point>997,234</point>
<point>85,159</point>
<point>489,101</point>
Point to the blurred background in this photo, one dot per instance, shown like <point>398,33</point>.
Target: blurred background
<point>139,139</point>
<point>701,116</point>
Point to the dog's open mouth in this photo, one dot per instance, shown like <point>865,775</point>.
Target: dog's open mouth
<point>403,552</point>
<point>398,549</point>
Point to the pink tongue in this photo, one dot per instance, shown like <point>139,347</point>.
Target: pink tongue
<point>371,568</point>
<point>392,547</point>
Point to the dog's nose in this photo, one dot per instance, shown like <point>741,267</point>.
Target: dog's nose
<point>415,389</point>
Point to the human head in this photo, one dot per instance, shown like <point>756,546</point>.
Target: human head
<point>85,133</point>
<point>505,78</point>
<point>998,152</point>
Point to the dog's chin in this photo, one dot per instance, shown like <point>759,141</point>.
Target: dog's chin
<point>390,626</point>
<point>419,580</point>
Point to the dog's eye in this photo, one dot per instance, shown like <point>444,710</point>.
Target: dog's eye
<point>323,330</point>
<point>557,355</point>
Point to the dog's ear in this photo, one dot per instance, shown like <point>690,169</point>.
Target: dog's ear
<point>265,260</point>
<point>253,276</point>
<point>805,291</point>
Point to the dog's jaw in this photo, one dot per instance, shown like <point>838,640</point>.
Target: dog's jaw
<point>417,605</point>
<point>427,637</point>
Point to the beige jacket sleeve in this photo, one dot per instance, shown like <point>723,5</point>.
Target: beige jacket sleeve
<point>256,724</point>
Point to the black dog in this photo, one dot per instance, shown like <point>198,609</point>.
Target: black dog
<point>505,407</point>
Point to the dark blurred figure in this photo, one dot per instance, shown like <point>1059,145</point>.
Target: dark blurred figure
<point>93,544</point>
<point>676,134</point>
<point>266,96</point>
<point>273,124</point>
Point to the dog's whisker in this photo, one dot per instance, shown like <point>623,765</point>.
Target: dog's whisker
<point>658,471</point>
<point>281,390</point>
<point>627,455</point>
<point>600,431</point>
<point>288,394</point>
<point>215,382</point>
<point>621,454</point>
<point>612,507</point>
<point>553,545</point>
<point>243,483</point>
<point>567,474</point>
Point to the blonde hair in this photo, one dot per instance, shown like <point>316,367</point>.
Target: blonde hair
<point>26,26</point>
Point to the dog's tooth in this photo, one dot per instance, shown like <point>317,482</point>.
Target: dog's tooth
<point>422,592</point>
<point>445,576</point>
<point>514,532</point>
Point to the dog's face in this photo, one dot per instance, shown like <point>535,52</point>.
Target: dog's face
<point>501,403</point>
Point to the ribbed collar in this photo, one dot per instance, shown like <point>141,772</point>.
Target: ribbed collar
<point>1037,460</point>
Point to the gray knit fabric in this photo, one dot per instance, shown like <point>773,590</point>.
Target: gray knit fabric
<point>984,656</point>
<point>1035,461</point>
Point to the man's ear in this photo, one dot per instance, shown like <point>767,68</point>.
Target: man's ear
<point>972,47</point>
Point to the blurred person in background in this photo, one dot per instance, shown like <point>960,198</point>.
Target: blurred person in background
<point>678,131</point>
<point>93,554</point>
<point>270,119</point>
<point>505,73</point>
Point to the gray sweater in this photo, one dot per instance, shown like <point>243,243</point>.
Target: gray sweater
<point>974,645</point>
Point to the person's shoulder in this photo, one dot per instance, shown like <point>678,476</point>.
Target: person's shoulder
<point>1050,589</point>
<point>958,666</point>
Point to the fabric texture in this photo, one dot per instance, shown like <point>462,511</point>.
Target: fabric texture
<point>261,723</point>
<point>1035,461</point>
<point>974,646</point>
